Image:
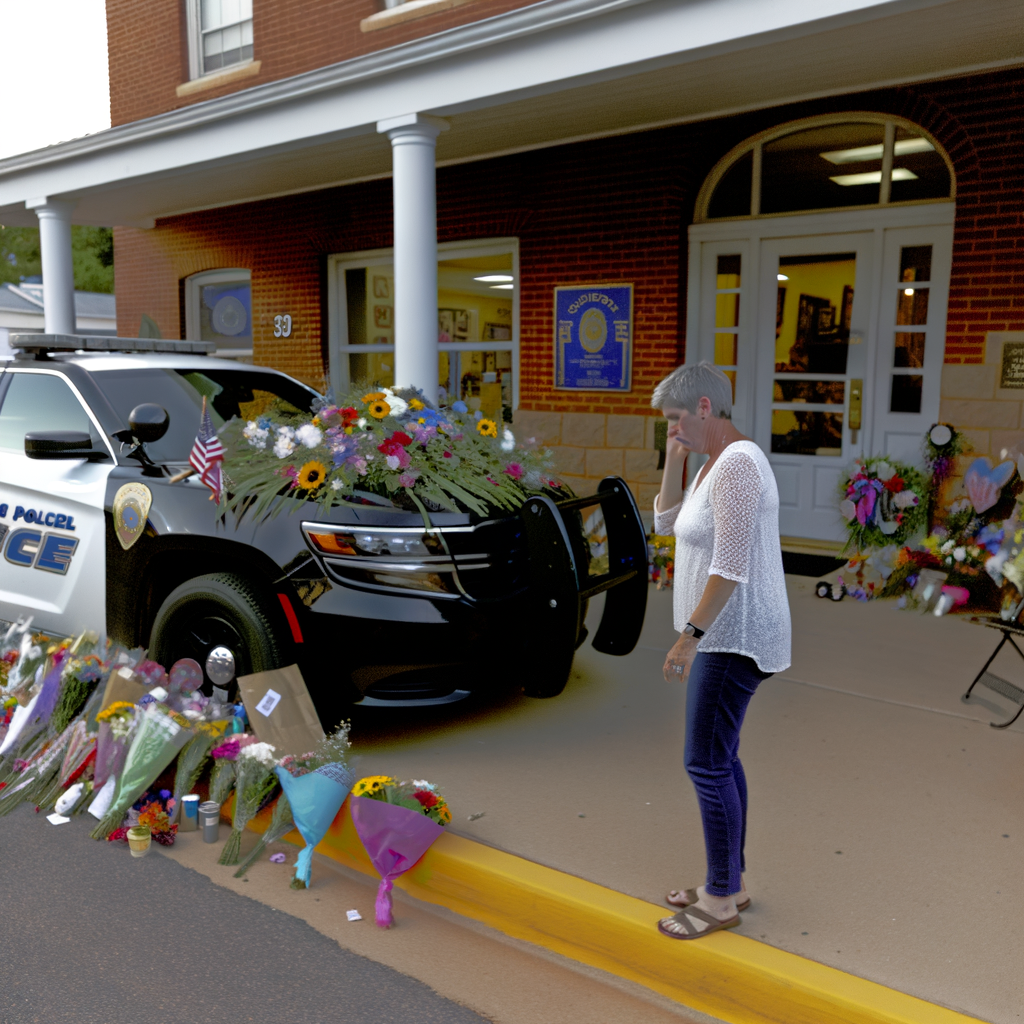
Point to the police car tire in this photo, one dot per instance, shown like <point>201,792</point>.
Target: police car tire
<point>237,600</point>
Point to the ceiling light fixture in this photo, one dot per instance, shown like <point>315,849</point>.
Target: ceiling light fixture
<point>502,287</point>
<point>873,177</point>
<point>489,278</point>
<point>860,154</point>
<point>782,277</point>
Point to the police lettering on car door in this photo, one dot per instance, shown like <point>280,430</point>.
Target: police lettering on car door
<point>35,548</point>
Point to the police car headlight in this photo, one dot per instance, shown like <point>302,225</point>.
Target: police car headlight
<point>385,559</point>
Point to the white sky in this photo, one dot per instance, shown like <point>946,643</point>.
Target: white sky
<point>55,72</point>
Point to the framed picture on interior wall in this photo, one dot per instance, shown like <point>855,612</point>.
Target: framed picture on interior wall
<point>382,316</point>
<point>594,337</point>
<point>381,288</point>
<point>382,339</point>
<point>457,324</point>
<point>497,332</point>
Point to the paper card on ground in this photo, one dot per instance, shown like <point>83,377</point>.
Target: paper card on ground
<point>270,701</point>
<point>56,819</point>
<point>291,724</point>
<point>353,915</point>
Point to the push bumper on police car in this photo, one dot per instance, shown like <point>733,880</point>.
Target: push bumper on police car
<point>374,606</point>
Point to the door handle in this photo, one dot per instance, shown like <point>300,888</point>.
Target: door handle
<point>856,399</point>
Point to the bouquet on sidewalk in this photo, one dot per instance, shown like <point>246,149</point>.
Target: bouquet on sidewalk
<point>193,758</point>
<point>116,724</point>
<point>316,784</point>
<point>281,823</point>
<point>254,782</point>
<point>160,735</point>
<point>397,823</point>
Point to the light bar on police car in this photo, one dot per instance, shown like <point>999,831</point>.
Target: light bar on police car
<point>111,343</point>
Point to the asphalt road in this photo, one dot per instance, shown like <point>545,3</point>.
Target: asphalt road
<point>91,935</point>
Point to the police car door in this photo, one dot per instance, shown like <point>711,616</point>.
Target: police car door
<point>52,530</point>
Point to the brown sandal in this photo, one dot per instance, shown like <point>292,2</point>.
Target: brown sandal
<point>691,898</point>
<point>695,924</point>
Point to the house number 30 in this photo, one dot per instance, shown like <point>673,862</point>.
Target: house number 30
<point>283,325</point>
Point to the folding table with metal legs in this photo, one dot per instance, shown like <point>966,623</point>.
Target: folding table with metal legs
<point>996,683</point>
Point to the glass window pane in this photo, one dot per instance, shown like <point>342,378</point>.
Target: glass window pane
<point>225,314</point>
<point>728,275</point>
<point>731,197</point>
<point>369,295</point>
<point>41,401</point>
<point>725,349</point>
<point>820,392</point>
<point>232,37</point>
<point>246,33</point>
<point>909,349</point>
<point>727,310</point>
<point>912,307</point>
<point>813,313</point>
<point>918,171</point>
<point>483,386</point>
<point>245,53</point>
<point>213,44</point>
<point>819,168</point>
<point>245,9</point>
<point>210,15</point>
<point>230,11</point>
<point>906,392</point>
<point>376,368</point>
<point>807,433</point>
<point>916,263</point>
<point>731,374</point>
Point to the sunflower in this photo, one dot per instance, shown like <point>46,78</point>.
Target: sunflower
<point>311,476</point>
<point>379,409</point>
<point>373,396</point>
<point>372,784</point>
<point>487,427</point>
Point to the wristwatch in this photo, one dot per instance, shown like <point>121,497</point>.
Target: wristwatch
<point>691,630</point>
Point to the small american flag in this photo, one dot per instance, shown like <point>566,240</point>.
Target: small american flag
<point>207,455</point>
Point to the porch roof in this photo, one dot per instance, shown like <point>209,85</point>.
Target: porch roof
<point>549,73</point>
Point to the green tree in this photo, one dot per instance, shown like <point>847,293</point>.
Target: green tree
<point>92,253</point>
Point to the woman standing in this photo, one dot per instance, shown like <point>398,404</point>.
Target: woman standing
<point>732,613</point>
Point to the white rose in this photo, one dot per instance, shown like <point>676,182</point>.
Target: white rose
<point>508,441</point>
<point>308,435</point>
<point>399,406</point>
<point>393,462</point>
<point>283,447</point>
<point>960,553</point>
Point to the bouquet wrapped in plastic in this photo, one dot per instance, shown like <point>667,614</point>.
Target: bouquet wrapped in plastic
<point>316,784</point>
<point>193,758</point>
<point>397,823</point>
<point>254,782</point>
<point>116,724</point>
<point>160,735</point>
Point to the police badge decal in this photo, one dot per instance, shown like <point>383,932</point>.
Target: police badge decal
<point>131,506</point>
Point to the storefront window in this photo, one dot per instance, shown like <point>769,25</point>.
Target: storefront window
<point>218,308</point>
<point>477,330</point>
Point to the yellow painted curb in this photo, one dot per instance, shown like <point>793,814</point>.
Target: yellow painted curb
<point>728,976</point>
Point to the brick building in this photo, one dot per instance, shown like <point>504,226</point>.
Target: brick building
<point>830,209</point>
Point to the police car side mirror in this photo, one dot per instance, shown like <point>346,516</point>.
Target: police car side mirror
<point>60,444</point>
<point>148,422</point>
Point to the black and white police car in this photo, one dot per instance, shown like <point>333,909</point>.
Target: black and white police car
<point>96,533</point>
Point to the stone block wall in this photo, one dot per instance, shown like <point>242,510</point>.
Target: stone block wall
<point>590,446</point>
<point>973,402</point>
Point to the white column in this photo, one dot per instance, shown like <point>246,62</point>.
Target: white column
<point>413,143</point>
<point>58,272</point>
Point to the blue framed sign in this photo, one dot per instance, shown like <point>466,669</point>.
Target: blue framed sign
<point>594,337</point>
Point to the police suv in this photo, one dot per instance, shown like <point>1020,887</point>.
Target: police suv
<point>101,528</point>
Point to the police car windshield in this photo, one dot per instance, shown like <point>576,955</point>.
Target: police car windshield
<point>243,393</point>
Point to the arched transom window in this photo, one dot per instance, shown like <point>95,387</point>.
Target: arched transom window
<point>858,160</point>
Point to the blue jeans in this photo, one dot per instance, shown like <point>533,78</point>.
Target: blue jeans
<point>717,694</point>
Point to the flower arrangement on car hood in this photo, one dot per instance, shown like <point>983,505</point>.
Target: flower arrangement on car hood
<point>388,443</point>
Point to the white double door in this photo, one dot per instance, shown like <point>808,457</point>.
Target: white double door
<point>832,327</point>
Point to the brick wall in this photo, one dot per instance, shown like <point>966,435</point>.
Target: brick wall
<point>147,46</point>
<point>608,210</point>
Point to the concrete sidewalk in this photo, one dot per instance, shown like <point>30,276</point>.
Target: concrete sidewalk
<point>862,747</point>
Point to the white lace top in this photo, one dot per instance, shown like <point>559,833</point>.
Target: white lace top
<point>728,525</point>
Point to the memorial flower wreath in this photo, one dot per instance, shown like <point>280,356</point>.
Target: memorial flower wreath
<point>883,503</point>
<point>386,443</point>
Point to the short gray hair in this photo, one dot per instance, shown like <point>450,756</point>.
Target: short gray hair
<point>685,386</point>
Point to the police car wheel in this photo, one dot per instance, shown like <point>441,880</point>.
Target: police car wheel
<point>220,610</point>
